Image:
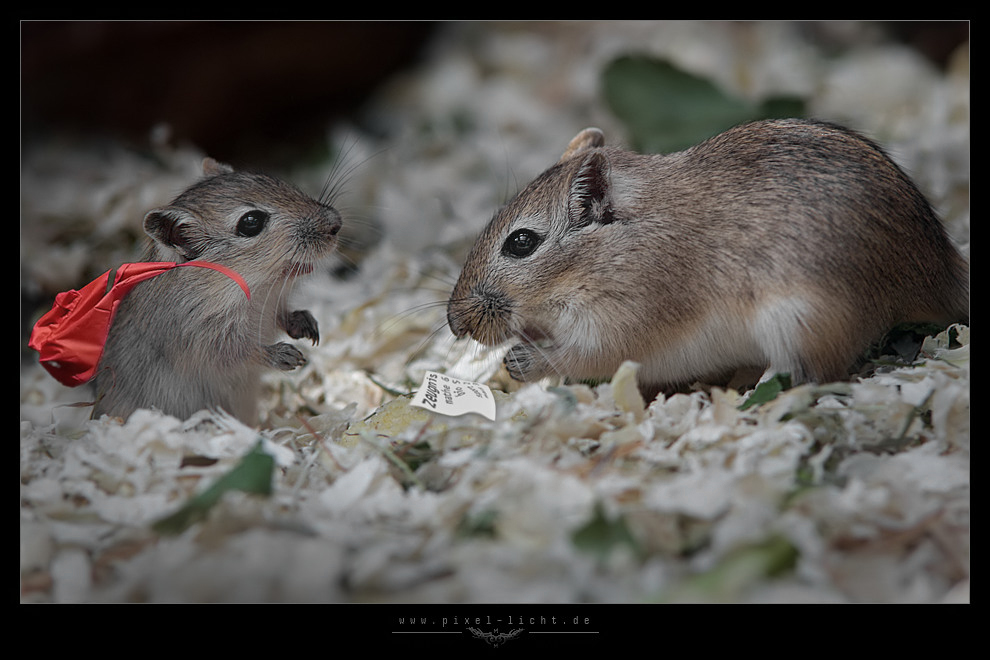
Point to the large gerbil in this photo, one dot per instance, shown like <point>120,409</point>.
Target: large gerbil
<point>190,339</point>
<point>786,245</point>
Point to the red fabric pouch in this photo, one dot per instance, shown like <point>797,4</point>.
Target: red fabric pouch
<point>70,337</point>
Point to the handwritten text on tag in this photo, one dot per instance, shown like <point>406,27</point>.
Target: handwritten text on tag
<point>452,396</point>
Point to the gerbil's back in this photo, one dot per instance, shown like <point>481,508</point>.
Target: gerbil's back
<point>817,202</point>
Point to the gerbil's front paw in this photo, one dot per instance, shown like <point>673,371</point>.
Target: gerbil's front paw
<point>284,356</point>
<point>300,324</point>
<point>526,362</point>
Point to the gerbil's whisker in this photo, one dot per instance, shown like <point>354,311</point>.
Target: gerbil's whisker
<point>534,343</point>
<point>338,177</point>
<point>410,311</point>
<point>426,341</point>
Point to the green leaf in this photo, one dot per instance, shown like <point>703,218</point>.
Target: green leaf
<point>741,569</point>
<point>767,390</point>
<point>666,109</point>
<point>253,474</point>
<point>601,535</point>
<point>481,524</point>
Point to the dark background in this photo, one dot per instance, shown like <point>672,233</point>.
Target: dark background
<point>249,92</point>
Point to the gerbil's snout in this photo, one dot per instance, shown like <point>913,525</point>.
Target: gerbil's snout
<point>312,238</point>
<point>479,312</point>
<point>324,222</point>
<point>334,221</point>
<point>318,233</point>
<point>454,322</point>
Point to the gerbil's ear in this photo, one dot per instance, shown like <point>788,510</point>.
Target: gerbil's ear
<point>212,167</point>
<point>589,138</point>
<point>173,228</point>
<point>590,198</point>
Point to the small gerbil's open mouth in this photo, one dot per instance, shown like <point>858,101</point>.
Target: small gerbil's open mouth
<point>298,269</point>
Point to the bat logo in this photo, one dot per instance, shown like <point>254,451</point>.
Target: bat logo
<point>496,638</point>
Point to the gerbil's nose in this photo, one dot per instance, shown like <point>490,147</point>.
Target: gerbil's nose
<point>335,221</point>
<point>457,327</point>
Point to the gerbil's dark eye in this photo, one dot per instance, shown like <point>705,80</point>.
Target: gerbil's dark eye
<point>521,243</point>
<point>251,223</point>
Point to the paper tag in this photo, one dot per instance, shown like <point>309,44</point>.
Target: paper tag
<point>452,396</point>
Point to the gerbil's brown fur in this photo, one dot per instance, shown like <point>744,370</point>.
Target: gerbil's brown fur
<point>190,339</point>
<point>787,245</point>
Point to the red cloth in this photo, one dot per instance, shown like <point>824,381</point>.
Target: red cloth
<point>70,337</point>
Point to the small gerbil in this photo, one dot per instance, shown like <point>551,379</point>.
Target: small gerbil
<point>787,245</point>
<point>190,339</point>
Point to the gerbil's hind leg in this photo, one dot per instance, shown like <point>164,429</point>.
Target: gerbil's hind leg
<point>810,342</point>
<point>284,357</point>
<point>300,324</point>
<point>779,329</point>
